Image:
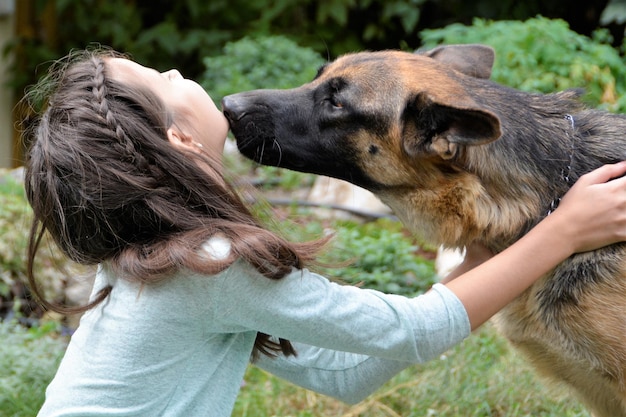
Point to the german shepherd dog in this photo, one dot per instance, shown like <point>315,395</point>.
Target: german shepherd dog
<point>461,159</point>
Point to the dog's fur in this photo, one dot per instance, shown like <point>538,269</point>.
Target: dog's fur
<point>461,159</point>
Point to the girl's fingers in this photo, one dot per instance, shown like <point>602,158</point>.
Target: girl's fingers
<point>604,173</point>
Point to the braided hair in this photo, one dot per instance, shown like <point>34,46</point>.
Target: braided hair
<point>106,184</point>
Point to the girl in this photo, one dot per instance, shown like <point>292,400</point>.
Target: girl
<point>124,172</point>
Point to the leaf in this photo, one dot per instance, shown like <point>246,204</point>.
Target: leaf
<point>614,13</point>
<point>336,10</point>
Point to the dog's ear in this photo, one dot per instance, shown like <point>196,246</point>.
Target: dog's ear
<point>436,128</point>
<point>474,60</point>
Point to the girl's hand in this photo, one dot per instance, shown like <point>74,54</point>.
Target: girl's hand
<point>593,212</point>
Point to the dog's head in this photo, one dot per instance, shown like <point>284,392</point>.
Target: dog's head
<point>376,119</point>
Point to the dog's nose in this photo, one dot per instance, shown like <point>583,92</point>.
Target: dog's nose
<point>231,109</point>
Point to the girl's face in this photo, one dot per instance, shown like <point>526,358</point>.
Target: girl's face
<point>195,113</point>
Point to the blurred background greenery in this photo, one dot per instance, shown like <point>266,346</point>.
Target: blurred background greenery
<point>189,34</point>
<point>181,33</point>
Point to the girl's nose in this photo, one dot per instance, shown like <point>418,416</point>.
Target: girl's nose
<point>172,74</point>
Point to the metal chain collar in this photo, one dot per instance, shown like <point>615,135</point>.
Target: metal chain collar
<point>566,171</point>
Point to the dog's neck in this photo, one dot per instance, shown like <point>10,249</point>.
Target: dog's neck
<point>567,170</point>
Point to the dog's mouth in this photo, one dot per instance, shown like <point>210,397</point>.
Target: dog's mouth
<point>256,140</point>
<point>252,134</point>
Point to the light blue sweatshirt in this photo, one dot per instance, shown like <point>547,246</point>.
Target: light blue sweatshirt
<point>181,347</point>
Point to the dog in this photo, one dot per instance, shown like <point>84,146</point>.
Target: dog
<point>461,159</point>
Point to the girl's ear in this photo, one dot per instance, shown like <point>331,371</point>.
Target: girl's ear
<point>180,139</point>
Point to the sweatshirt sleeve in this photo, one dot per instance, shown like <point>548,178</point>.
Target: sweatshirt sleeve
<point>351,377</point>
<point>307,308</point>
<point>348,377</point>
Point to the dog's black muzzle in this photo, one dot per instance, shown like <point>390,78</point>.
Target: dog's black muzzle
<point>252,124</point>
<point>277,128</point>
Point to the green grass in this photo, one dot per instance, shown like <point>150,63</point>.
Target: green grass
<point>482,377</point>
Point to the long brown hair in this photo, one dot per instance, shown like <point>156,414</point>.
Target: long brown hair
<point>105,183</point>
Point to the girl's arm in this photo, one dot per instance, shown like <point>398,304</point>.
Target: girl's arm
<point>591,215</point>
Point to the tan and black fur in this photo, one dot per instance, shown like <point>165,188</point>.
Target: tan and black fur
<point>461,159</point>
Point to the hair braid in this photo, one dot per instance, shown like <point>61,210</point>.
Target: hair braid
<point>103,109</point>
<point>99,90</point>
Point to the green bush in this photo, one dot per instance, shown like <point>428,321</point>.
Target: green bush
<point>380,254</point>
<point>384,257</point>
<point>28,361</point>
<point>263,62</point>
<point>543,55</point>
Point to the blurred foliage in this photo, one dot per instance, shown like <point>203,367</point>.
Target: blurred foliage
<point>168,34</point>
<point>379,254</point>
<point>51,267</point>
<point>262,62</point>
<point>545,55</point>
<point>384,257</point>
<point>28,362</point>
<point>614,13</point>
